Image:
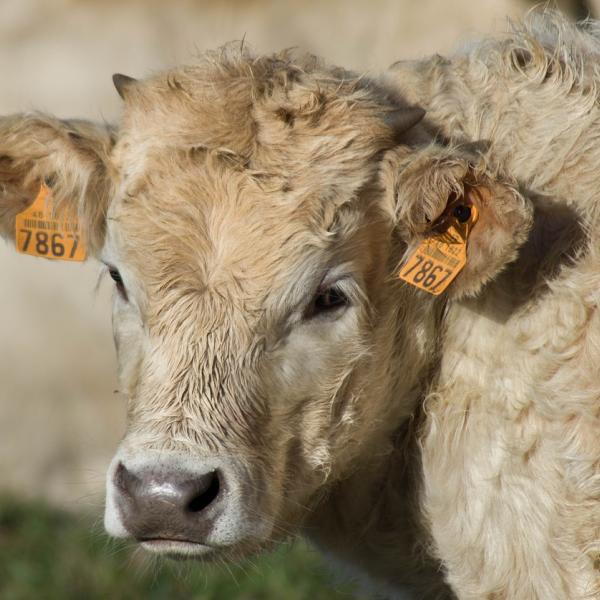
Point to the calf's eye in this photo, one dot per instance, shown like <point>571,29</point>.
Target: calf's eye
<point>328,301</point>
<point>116,277</point>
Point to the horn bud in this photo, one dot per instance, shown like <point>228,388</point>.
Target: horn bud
<point>123,84</point>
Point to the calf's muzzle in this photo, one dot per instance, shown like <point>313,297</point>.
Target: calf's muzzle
<point>158,503</point>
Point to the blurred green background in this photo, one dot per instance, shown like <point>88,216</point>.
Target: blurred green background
<point>60,421</point>
<point>48,553</point>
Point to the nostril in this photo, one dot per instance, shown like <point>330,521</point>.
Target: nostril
<point>125,480</point>
<point>208,491</point>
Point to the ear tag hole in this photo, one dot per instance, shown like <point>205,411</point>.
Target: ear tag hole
<point>462,212</point>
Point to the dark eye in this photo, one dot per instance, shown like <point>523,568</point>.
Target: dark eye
<point>328,301</point>
<point>116,277</point>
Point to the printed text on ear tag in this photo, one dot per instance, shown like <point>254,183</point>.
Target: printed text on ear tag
<point>41,231</point>
<point>440,257</point>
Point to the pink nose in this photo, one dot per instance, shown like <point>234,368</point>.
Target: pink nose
<point>161,504</point>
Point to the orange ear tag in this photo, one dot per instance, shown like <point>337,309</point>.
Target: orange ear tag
<point>40,231</point>
<point>440,258</point>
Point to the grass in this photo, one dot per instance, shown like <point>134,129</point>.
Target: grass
<point>54,555</point>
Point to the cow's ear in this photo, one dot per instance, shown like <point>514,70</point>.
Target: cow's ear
<point>423,185</point>
<point>70,157</point>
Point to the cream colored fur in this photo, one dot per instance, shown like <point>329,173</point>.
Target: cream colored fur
<point>431,446</point>
<point>510,446</point>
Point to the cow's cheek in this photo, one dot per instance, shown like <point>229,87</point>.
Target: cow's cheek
<point>309,381</point>
<point>129,342</point>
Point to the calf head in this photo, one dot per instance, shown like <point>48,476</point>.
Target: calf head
<point>252,212</point>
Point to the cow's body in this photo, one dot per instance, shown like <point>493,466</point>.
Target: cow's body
<point>418,440</point>
<point>510,444</point>
<point>511,449</point>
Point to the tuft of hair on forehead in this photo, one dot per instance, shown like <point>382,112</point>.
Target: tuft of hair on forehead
<point>253,106</point>
<point>304,131</point>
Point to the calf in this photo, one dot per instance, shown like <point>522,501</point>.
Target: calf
<point>256,213</point>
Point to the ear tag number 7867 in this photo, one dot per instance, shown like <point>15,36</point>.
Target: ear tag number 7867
<point>41,231</point>
<point>440,258</point>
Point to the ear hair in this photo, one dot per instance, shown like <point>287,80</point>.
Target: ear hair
<point>419,183</point>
